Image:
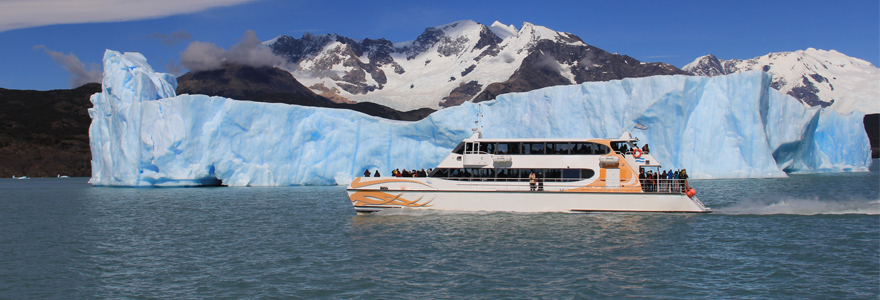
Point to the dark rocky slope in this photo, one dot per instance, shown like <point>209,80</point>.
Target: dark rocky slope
<point>588,64</point>
<point>274,85</point>
<point>46,133</point>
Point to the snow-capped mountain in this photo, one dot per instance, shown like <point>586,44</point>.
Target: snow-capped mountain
<point>453,63</point>
<point>815,77</point>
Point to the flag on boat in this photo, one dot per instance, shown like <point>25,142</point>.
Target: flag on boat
<point>640,126</point>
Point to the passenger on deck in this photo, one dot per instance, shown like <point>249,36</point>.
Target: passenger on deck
<point>683,175</point>
<point>532,181</point>
<point>663,180</point>
<point>377,174</point>
<point>367,173</point>
<point>645,149</point>
<point>540,181</point>
<point>642,180</point>
<point>623,150</point>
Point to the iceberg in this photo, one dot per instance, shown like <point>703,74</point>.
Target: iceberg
<point>732,126</point>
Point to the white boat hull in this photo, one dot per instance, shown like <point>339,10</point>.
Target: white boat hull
<point>373,195</point>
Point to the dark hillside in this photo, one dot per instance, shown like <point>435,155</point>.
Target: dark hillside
<point>274,85</point>
<point>46,133</point>
<point>592,64</point>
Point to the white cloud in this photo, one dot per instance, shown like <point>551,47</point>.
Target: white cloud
<point>16,14</point>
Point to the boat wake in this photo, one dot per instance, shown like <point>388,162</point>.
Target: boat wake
<point>796,206</point>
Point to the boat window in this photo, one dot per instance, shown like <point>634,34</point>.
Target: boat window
<point>587,173</point>
<point>571,174</point>
<point>483,173</point>
<point>514,148</point>
<point>601,149</point>
<point>548,149</point>
<point>536,148</point>
<point>587,148</point>
<point>459,149</point>
<point>488,148</point>
<point>578,148</point>
<point>508,173</point>
<point>501,149</point>
<point>489,174</point>
<point>440,173</point>
<point>561,148</point>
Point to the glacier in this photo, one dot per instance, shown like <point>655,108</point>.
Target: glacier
<point>732,126</point>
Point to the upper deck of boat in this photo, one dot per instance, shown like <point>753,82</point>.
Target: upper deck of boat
<point>546,140</point>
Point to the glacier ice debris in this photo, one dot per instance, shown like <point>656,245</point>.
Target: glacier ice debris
<point>732,126</point>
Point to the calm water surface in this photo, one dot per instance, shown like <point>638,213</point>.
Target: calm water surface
<point>808,236</point>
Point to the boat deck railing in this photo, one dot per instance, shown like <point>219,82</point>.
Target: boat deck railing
<point>655,186</point>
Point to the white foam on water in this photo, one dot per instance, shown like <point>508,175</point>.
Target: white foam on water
<point>797,206</point>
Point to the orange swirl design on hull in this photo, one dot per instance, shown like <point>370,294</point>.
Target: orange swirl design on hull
<point>357,182</point>
<point>361,198</point>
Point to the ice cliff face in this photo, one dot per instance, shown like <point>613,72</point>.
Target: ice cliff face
<point>724,126</point>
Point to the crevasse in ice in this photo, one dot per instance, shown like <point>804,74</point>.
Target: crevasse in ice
<point>733,126</point>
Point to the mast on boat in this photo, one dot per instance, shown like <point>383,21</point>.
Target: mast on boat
<point>478,131</point>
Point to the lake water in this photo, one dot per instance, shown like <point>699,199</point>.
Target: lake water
<point>808,236</point>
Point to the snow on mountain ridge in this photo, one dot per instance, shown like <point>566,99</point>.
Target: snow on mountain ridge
<point>503,31</point>
<point>409,74</point>
<point>453,63</point>
<point>815,77</point>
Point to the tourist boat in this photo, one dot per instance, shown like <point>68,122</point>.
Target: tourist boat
<point>572,175</point>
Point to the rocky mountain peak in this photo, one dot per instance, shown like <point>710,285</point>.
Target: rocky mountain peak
<point>815,77</point>
<point>706,65</point>
<point>449,64</point>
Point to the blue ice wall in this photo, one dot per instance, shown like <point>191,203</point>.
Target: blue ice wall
<point>732,126</point>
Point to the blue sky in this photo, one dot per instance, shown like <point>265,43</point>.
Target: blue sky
<point>674,32</point>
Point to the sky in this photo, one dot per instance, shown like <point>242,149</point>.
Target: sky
<point>58,44</point>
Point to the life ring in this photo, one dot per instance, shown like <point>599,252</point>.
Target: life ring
<point>637,153</point>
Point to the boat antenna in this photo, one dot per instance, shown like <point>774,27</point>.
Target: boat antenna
<point>479,129</point>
